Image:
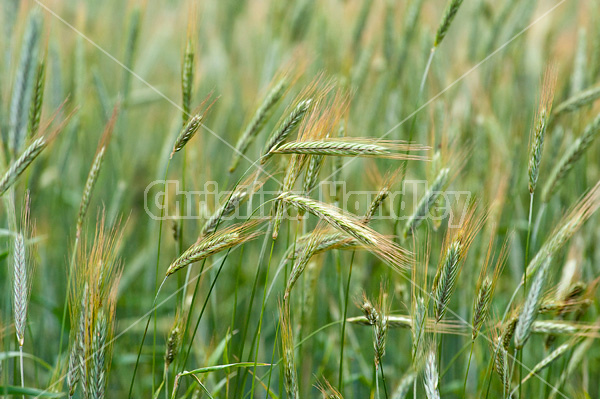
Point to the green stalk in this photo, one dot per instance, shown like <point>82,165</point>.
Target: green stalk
<point>467,373</point>
<point>262,311</point>
<point>347,295</point>
<point>156,283</point>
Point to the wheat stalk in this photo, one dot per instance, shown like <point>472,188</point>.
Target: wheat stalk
<point>290,378</point>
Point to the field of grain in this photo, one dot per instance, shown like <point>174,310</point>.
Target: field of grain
<point>299,199</point>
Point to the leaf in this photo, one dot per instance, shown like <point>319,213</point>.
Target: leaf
<point>12,390</point>
<point>8,355</point>
<point>222,367</point>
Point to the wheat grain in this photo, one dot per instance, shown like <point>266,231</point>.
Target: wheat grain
<point>431,377</point>
<point>285,129</point>
<point>531,306</point>
<point>352,148</point>
<point>212,244</point>
<point>540,124</point>
<point>98,369</point>
<point>375,242</point>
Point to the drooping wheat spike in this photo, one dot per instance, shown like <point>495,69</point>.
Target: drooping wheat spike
<point>18,166</point>
<point>431,376</point>
<point>187,76</point>
<point>94,172</point>
<point>405,384</point>
<point>573,153</point>
<point>374,242</point>
<point>329,240</point>
<point>426,202</point>
<point>188,131</point>
<point>290,378</point>
<point>565,229</point>
<point>545,362</point>
<point>212,244</point>
<point>311,177</point>
<point>98,369</point>
<point>578,101</point>
<point>531,306</point>
<point>285,129</point>
<point>258,121</point>
<point>354,147</point>
<point>24,84</point>
<point>561,327</point>
<point>301,261</point>
<point>37,98</point>
<point>406,322</point>
<point>449,15</point>
<point>536,140</point>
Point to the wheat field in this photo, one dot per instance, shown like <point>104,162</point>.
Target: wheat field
<point>299,199</point>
